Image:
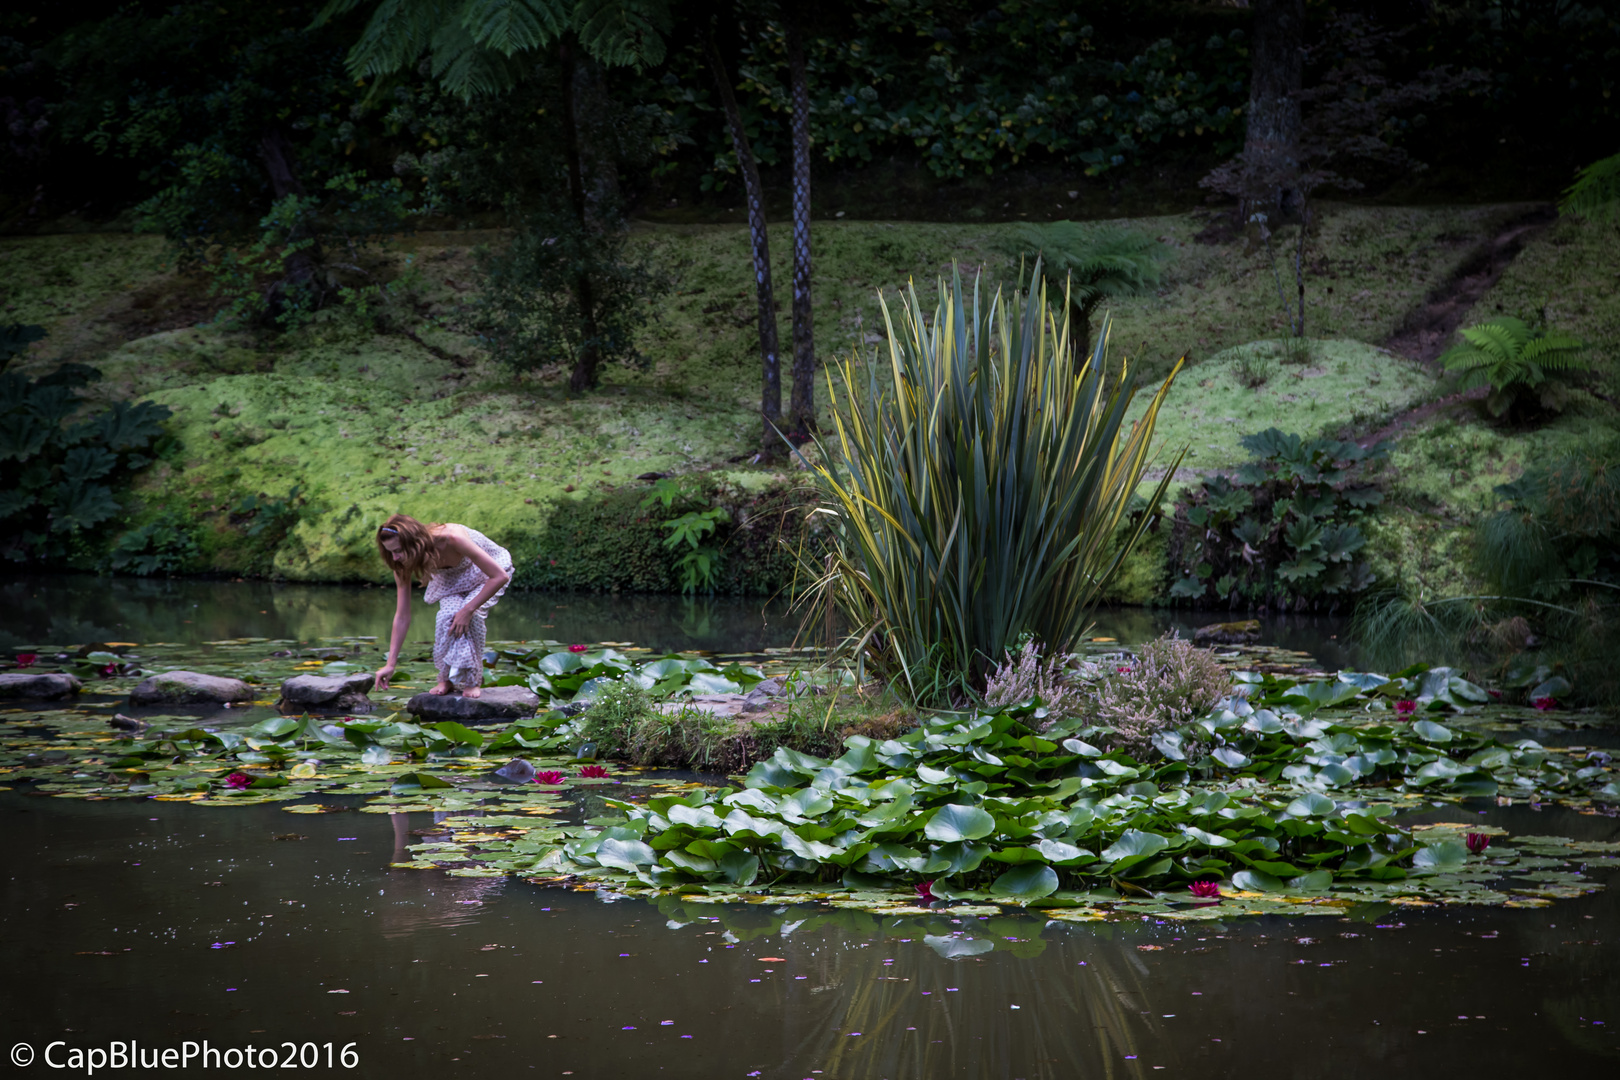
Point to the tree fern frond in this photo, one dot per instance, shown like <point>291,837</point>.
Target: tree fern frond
<point>623,33</point>
<point>398,32</point>
<point>514,26</point>
<point>333,9</point>
<point>1595,194</point>
<point>465,68</point>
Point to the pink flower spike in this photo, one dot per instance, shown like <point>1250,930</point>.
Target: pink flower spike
<point>925,892</point>
<point>550,777</point>
<point>1545,704</point>
<point>1206,890</point>
<point>593,772</point>
<point>1405,708</point>
<point>576,648</point>
<point>26,659</point>
<point>239,781</point>
<point>1477,842</point>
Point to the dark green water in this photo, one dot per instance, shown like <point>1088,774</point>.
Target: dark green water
<point>78,608</point>
<point>164,923</point>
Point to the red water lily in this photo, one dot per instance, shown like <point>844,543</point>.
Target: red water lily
<point>925,892</point>
<point>1206,890</point>
<point>26,659</point>
<point>1494,693</point>
<point>109,671</point>
<point>1545,704</point>
<point>1405,708</point>
<point>239,781</point>
<point>593,772</point>
<point>550,776</point>
<point>1477,842</point>
<point>576,648</point>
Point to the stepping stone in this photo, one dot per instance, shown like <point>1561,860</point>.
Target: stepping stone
<point>189,688</point>
<point>46,686</point>
<point>327,693</point>
<point>496,703</point>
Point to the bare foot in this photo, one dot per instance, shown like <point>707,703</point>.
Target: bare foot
<point>443,687</point>
<point>473,691</point>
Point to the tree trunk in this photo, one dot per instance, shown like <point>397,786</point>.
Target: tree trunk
<point>593,125</point>
<point>771,399</point>
<point>1271,145</point>
<point>301,264</point>
<point>583,377</point>
<point>802,410</point>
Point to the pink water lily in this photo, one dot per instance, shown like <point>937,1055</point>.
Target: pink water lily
<point>1405,708</point>
<point>593,772</point>
<point>26,659</point>
<point>577,648</point>
<point>109,671</point>
<point>1477,842</point>
<point>550,776</point>
<point>1545,704</point>
<point>1206,890</point>
<point>925,892</point>
<point>239,781</point>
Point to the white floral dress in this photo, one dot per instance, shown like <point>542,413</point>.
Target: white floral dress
<point>461,659</point>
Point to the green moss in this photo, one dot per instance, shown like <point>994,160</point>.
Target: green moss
<point>365,424</point>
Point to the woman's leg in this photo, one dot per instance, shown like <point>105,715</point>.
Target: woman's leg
<point>460,659</point>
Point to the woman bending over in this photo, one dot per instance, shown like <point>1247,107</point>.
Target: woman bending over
<point>465,572</point>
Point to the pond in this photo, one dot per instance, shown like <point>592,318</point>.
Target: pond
<point>165,923</point>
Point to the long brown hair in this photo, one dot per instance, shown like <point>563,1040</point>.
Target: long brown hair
<point>416,544</point>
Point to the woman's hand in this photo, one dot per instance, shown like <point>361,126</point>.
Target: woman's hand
<point>384,673</point>
<point>461,620</point>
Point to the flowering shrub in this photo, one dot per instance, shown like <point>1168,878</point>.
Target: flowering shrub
<point>1171,682</point>
<point>1024,675</point>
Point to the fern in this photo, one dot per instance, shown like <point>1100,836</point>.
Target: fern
<point>1595,194</point>
<point>1089,265</point>
<point>1510,358</point>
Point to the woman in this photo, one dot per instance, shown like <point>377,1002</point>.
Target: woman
<point>464,572</point>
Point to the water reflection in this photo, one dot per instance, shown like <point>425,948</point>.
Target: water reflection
<point>79,608</point>
<point>233,935</point>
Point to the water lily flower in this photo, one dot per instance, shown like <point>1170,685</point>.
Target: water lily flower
<point>1494,693</point>
<point>26,659</point>
<point>1405,708</point>
<point>550,776</point>
<point>1477,842</point>
<point>576,648</point>
<point>1206,890</point>
<point>1545,704</point>
<point>925,892</point>
<point>239,781</point>
<point>593,772</point>
<point>109,671</point>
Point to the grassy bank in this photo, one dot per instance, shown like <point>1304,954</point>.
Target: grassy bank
<point>331,428</point>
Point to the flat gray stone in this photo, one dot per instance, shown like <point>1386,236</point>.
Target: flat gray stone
<point>189,688</point>
<point>43,686</point>
<point>495,703</point>
<point>331,693</point>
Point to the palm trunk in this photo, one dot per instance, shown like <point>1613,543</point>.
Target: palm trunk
<point>771,399</point>
<point>583,377</point>
<point>802,409</point>
<point>1271,144</point>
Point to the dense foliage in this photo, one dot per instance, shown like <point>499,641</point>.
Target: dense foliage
<point>1282,531</point>
<point>1519,364</point>
<point>63,466</point>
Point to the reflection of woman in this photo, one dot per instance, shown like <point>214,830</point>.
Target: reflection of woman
<point>464,572</point>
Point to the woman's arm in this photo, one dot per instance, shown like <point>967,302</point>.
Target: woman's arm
<point>498,579</point>
<point>402,626</point>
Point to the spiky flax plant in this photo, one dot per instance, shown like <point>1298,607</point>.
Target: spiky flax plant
<point>977,485</point>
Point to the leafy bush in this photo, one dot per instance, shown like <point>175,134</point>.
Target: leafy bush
<point>1171,682</point>
<point>66,468</point>
<point>1559,534</point>
<point>162,546</point>
<point>1595,194</point>
<point>699,563</point>
<point>1516,362</point>
<point>1024,676</point>
<point>1089,265</point>
<point>535,312</point>
<point>618,710</point>
<point>974,498</point>
<point>1282,530</point>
